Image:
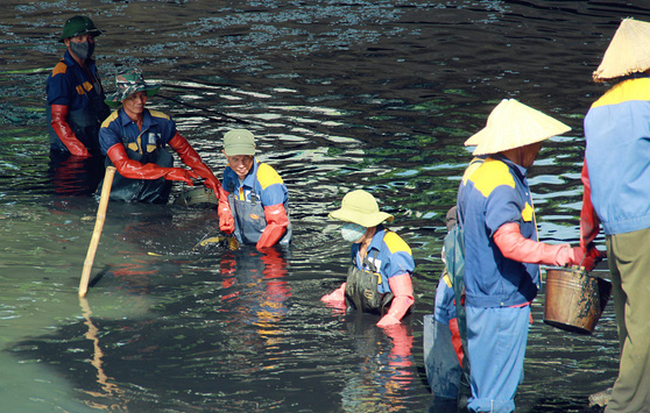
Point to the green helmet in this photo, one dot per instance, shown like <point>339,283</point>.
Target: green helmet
<point>78,25</point>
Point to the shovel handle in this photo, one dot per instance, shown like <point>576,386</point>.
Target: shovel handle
<point>97,232</point>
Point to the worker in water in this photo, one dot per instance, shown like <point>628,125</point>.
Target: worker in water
<point>254,204</point>
<point>502,252</point>
<point>379,279</point>
<point>75,97</point>
<point>75,110</point>
<point>135,141</point>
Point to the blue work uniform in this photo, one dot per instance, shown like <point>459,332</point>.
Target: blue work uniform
<point>498,290</point>
<point>70,85</point>
<point>262,187</point>
<point>145,146</point>
<point>387,256</point>
<point>617,156</point>
<point>617,130</point>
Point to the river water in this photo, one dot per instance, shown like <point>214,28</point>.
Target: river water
<point>341,95</point>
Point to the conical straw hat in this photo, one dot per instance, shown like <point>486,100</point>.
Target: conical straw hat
<point>512,124</point>
<point>627,53</point>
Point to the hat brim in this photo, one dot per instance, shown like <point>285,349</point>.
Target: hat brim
<point>365,220</point>
<point>240,151</point>
<point>627,53</point>
<point>94,33</point>
<point>115,100</point>
<point>512,125</point>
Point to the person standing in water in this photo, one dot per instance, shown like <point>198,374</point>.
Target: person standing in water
<point>379,279</point>
<point>75,97</point>
<point>135,141</point>
<point>254,205</point>
<point>502,251</point>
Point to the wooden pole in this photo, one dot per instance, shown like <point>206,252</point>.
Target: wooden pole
<point>97,232</point>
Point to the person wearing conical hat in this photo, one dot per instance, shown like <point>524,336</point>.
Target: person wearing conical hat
<point>379,279</point>
<point>135,139</point>
<point>502,252</point>
<point>616,174</point>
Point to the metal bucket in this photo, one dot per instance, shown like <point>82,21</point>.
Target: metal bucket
<point>574,301</point>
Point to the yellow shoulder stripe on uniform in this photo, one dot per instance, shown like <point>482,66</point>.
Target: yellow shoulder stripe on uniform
<point>632,89</point>
<point>528,213</point>
<point>157,114</point>
<point>267,175</point>
<point>109,119</point>
<point>492,174</point>
<point>60,67</point>
<point>473,166</point>
<point>395,243</point>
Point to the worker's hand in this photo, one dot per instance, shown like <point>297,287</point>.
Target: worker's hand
<point>214,185</point>
<point>585,258</point>
<point>180,174</point>
<point>387,320</point>
<point>226,222</point>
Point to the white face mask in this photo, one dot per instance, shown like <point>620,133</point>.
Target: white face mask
<point>352,232</point>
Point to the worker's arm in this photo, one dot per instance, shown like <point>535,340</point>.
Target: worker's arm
<point>64,132</point>
<point>516,247</point>
<point>402,289</point>
<point>192,159</point>
<point>130,168</point>
<point>277,222</point>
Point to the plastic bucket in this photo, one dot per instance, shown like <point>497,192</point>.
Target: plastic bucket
<point>574,301</point>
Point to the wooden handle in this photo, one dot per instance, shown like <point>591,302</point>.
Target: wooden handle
<point>97,232</point>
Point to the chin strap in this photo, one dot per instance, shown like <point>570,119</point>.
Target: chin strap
<point>192,159</point>
<point>66,135</point>
<point>276,225</point>
<point>402,288</point>
<point>129,168</point>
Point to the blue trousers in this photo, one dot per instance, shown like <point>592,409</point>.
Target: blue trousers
<point>496,346</point>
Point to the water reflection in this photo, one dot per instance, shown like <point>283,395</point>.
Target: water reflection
<point>109,390</point>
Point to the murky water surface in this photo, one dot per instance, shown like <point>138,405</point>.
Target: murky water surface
<point>341,95</point>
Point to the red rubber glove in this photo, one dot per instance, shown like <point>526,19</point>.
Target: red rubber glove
<point>514,246</point>
<point>129,168</point>
<point>589,221</point>
<point>276,224</point>
<point>192,159</point>
<point>64,132</point>
<point>226,221</point>
<point>402,288</point>
<point>336,295</point>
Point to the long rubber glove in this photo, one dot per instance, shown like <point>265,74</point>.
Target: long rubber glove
<point>226,221</point>
<point>129,168</point>
<point>337,296</point>
<point>514,246</point>
<point>276,224</point>
<point>589,221</point>
<point>62,129</point>
<point>192,159</point>
<point>402,288</point>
